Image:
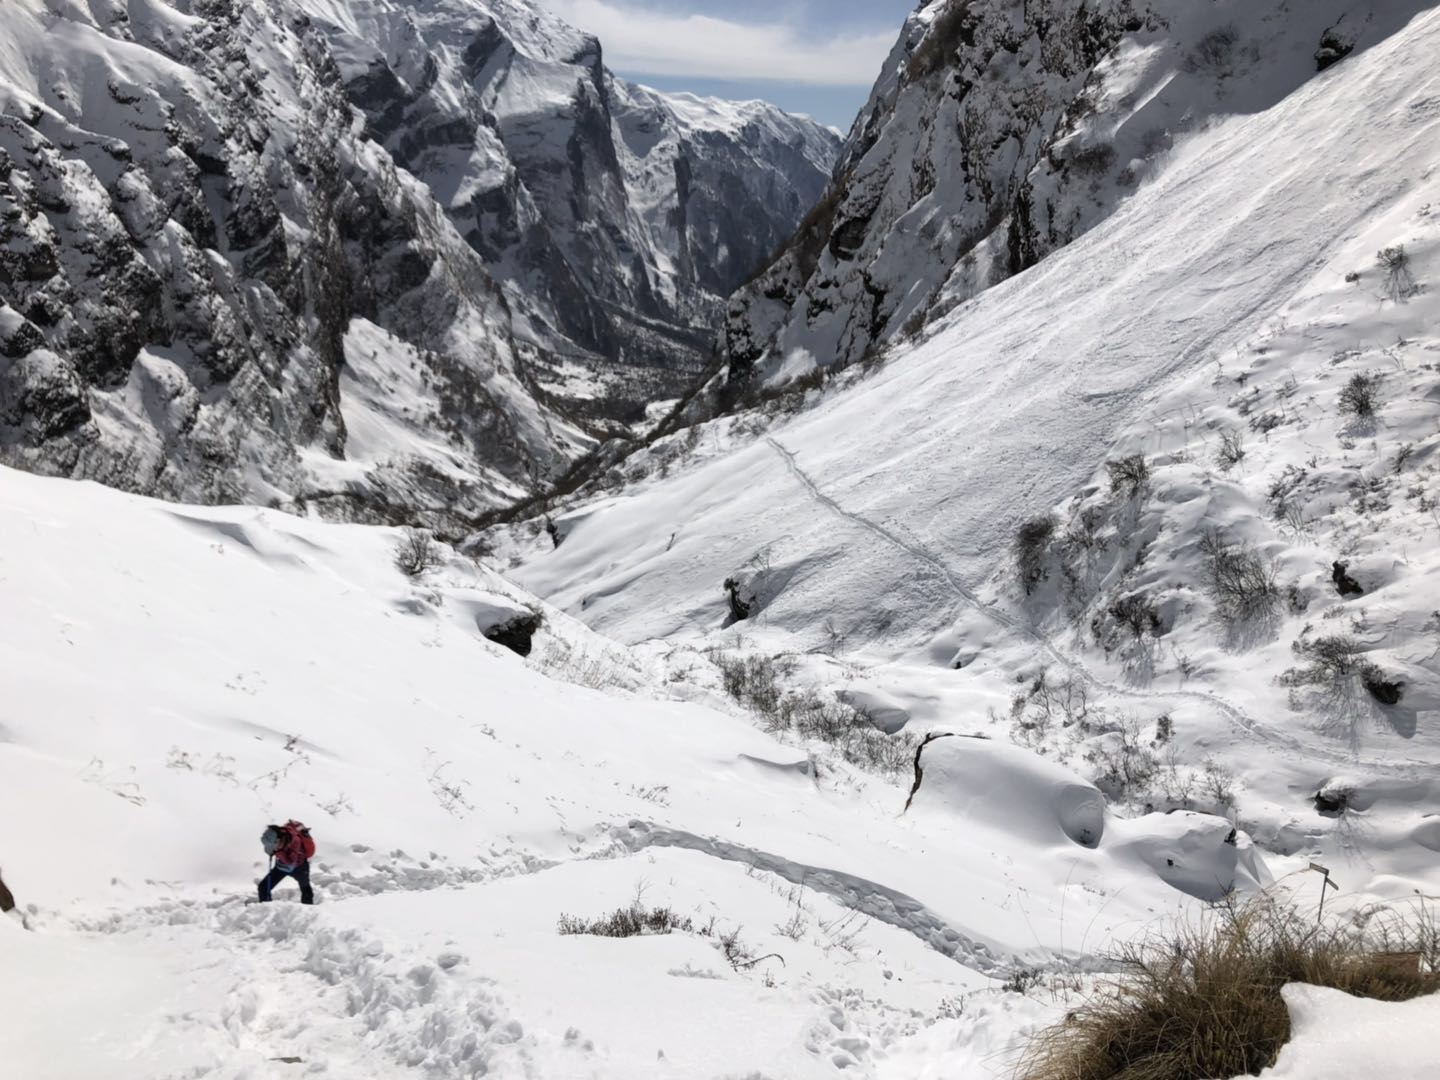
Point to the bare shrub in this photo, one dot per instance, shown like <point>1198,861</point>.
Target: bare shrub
<point>633,920</point>
<point>1125,762</point>
<point>1083,533</point>
<point>1022,980</point>
<point>1399,279</point>
<point>416,553</point>
<point>449,792</point>
<point>1283,490</point>
<point>1215,53</point>
<point>1036,712</point>
<point>1031,545</point>
<point>1232,449</point>
<point>756,683</point>
<point>1204,1000</point>
<point>1360,397</point>
<point>1328,660</point>
<point>1128,474</point>
<point>1336,658</point>
<point>1239,579</point>
<point>1138,614</point>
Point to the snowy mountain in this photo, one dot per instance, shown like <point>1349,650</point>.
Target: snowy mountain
<point>1139,507</point>
<point>249,256</point>
<point>998,133</point>
<point>886,704</point>
<point>180,676</point>
<point>617,217</point>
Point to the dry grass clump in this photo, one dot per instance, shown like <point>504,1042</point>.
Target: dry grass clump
<point>1206,1002</point>
<point>635,920</point>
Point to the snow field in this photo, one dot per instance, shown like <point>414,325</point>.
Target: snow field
<point>181,676</point>
<point>881,518</point>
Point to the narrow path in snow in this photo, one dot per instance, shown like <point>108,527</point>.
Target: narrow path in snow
<point>1237,716</point>
<point>870,898</point>
<point>331,997</point>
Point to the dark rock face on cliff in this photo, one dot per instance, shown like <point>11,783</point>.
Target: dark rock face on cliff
<point>973,99</point>
<point>998,132</point>
<point>245,255</point>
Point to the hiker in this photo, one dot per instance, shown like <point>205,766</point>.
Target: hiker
<point>290,849</point>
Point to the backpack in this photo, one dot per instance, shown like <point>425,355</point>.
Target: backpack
<point>291,839</point>
<point>302,835</point>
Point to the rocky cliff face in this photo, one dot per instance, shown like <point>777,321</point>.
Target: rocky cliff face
<point>934,191</point>
<point>247,255</point>
<point>1000,131</point>
<point>616,218</point>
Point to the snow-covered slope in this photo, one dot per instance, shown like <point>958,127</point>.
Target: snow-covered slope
<point>997,133</point>
<point>232,233</point>
<point>1232,296</point>
<point>176,677</point>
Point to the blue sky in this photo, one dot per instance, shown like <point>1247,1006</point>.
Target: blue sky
<point>814,56</point>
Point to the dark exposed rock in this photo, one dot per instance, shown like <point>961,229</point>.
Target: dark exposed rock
<point>1383,689</point>
<point>1334,47</point>
<point>1345,585</point>
<point>1332,801</point>
<point>517,635</point>
<point>740,608</point>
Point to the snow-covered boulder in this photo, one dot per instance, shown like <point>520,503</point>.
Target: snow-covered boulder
<point>1199,854</point>
<point>1006,787</point>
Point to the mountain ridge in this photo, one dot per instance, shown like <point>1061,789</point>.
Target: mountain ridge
<point>200,241</point>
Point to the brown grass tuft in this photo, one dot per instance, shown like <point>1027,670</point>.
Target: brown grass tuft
<point>1205,1002</point>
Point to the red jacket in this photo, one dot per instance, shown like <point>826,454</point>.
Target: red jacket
<point>297,848</point>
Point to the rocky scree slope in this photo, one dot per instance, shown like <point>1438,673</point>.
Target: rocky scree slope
<point>997,133</point>
<point>233,269</point>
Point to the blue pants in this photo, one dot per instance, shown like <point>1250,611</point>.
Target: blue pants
<point>300,873</point>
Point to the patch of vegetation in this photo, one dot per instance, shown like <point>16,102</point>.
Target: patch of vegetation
<point>1239,579</point>
<point>1046,703</point>
<point>1329,660</point>
<point>1360,397</point>
<point>1205,1001</point>
<point>417,553</point>
<point>1399,278</point>
<point>756,682</point>
<point>1126,763</point>
<point>1335,658</point>
<point>634,920</point>
<point>1232,449</point>
<point>1216,53</point>
<point>1031,545</point>
<point>1138,614</point>
<point>1128,475</point>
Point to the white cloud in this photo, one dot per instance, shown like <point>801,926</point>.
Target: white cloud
<point>644,41</point>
